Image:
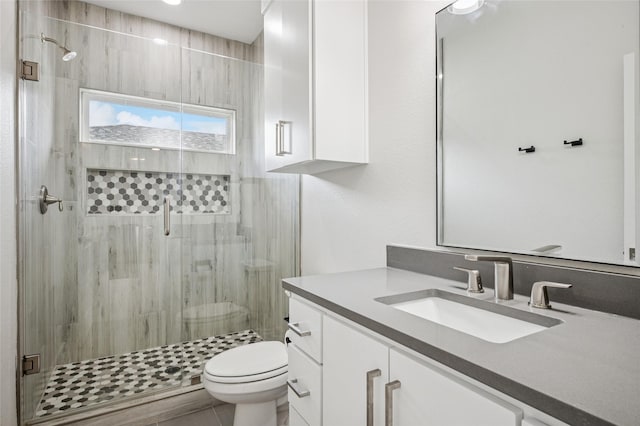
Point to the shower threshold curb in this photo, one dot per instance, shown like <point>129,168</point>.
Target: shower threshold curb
<point>194,398</point>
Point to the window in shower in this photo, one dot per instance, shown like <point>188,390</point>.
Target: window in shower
<point>112,118</point>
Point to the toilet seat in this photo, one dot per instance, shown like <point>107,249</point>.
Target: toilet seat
<point>246,364</point>
<point>247,378</point>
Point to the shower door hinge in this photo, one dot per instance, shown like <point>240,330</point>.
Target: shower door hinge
<point>30,364</point>
<point>30,71</point>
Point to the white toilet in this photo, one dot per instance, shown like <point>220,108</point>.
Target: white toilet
<point>253,377</point>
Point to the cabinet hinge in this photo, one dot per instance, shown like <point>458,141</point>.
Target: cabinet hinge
<point>30,71</point>
<point>30,364</point>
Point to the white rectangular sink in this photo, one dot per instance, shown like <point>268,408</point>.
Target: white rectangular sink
<point>485,320</point>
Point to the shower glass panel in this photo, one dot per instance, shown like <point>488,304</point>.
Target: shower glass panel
<point>116,308</point>
<point>100,280</point>
<point>233,261</point>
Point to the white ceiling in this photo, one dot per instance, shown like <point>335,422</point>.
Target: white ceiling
<point>233,19</point>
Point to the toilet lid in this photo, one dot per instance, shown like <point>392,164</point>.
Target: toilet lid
<point>255,361</point>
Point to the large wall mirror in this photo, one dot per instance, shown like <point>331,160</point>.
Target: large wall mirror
<point>538,128</point>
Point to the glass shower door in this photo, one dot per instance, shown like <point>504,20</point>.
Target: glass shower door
<point>242,238</point>
<point>100,272</point>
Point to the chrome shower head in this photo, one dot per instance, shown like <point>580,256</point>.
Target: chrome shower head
<point>67,54</point>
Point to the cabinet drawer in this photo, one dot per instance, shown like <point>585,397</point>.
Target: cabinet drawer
<point>296,419</point>
<point>305,378</point>
<point>306,324</point>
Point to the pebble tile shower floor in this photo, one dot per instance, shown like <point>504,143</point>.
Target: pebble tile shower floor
<point>91,382</point>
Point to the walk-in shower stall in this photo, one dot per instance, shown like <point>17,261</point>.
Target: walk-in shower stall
<point>150,236</point>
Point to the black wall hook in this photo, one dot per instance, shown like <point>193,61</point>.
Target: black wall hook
<point>528,150</point>
<point>574,143</point>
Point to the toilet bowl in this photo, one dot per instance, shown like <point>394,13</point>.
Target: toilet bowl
<point>213,319</point>
<point>253,377</point>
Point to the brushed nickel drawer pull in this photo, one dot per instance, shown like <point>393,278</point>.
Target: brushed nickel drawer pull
<point>294,386</point>
<point>370,376</point>
<point>388,401</point>
<point>295,327</point>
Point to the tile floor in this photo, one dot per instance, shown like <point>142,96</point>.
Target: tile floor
<point>221,415</point>
<point>90,382</point>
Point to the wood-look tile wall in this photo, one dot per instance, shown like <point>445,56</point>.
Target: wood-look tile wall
<point>102,285</point>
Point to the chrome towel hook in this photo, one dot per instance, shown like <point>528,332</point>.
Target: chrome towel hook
<point>46,199</point>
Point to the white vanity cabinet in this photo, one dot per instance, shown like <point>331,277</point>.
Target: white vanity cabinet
<point>305,363</point>
<point>340,371</point>
<point>354,361</point>
<point>315,85</point>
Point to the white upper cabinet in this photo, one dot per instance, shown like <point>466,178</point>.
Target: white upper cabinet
<point>315,85</point>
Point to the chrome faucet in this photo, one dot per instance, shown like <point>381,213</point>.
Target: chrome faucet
<point>503,274</point>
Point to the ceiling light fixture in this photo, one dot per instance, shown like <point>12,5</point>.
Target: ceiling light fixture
<point>172,2</point>
<point>464,7</point>
<point>160,41</point>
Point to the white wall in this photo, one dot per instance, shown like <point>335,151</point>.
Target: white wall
<point>8,281</point>
<point>350,215</point>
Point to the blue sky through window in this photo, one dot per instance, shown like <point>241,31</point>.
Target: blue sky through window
<point>111,114</point>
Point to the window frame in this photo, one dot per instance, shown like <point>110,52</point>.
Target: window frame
<point>88,95</point>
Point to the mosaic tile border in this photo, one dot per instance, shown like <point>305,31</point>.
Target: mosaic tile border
<point>86,383</point>
<point>140,192</point>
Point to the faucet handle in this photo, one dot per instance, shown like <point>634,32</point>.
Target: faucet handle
<point>539,296</point>
<point>474,282</point>
<point>478,258</point>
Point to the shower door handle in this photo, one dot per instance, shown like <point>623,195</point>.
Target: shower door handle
<point>167,215</point>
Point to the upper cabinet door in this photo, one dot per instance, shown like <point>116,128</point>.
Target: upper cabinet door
<point>340,74</point>
<point>273,74</point>
<point>287,44</point>
<point>430,396</point>
<point>296,88</point>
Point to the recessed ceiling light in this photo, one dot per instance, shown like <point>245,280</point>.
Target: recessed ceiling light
<point>463,7</point>
<point>172,2</point>
<point>160,41</point>
<point>155,149</point>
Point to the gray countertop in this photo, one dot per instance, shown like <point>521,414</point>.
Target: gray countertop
<point>585,371</point>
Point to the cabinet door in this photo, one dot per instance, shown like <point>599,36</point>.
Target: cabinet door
<point>429,396</point>
<point>272,82</point>
<point>340,77</point>
<point>296,81</point>
<point>347,357</point>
